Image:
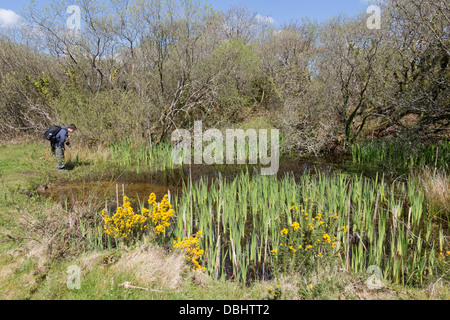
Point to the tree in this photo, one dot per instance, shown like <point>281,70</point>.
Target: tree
<point>416,78</point>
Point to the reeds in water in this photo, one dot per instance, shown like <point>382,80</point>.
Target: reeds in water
<point>131,152</point>
<point>378,223</point>
<point>400,155</point>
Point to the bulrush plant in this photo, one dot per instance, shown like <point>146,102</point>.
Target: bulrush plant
<point>400,155</point>
<point>140,154</point>
<point>354,222</point>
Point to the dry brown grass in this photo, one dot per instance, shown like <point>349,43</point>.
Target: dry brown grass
<point>153,267</point>
<point>436,185</point>
<point>90,261</point>
<point>21,138</point>
<point>92,154</point>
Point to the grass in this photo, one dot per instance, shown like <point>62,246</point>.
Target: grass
<point>22,164</point>
<point>241,220</point>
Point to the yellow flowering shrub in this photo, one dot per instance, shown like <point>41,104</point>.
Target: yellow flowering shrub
<point>125,223</point>
<point>190,247</point>
<point>161,213</point>
<point>128,225</point>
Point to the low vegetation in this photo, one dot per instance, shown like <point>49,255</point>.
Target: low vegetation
<point>308,236</point>
<point>371,104</point>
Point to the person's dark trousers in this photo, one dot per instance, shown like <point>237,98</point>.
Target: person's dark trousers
<point>59,154</point>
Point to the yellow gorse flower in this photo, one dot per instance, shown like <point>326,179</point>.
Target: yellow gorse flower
<point>190,247</point>
<point>296,226</point>
<point>161,213</point>
<point>125,223</point>
<point>443,256</point>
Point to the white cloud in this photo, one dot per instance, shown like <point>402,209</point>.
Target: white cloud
<point>8,18</point>
<point>264,19</point>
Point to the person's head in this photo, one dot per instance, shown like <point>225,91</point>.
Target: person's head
<point>71,128</point>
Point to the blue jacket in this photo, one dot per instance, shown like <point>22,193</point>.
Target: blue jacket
<point>60,138</point>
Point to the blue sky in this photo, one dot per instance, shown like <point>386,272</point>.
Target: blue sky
<point>279,10</point>
<point>286,10</point>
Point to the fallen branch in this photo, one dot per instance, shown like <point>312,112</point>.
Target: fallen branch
<point>129,285</point>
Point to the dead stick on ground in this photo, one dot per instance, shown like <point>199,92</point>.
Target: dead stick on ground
<point>129,285</point>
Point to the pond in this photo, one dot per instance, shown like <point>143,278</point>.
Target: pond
<point>140,185</point>
<point>243,223</point>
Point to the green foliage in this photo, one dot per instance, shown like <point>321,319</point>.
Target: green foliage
<point>234,68</point>
<point>103,117</point>
<point>42,85</point>
<point>168,63</point>
<point>398,155</point>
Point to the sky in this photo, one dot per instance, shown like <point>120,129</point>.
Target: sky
<point>276,11</point>
<point>285,10</point>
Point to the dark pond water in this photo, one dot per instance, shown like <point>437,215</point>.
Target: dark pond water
<point>140,185</point>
